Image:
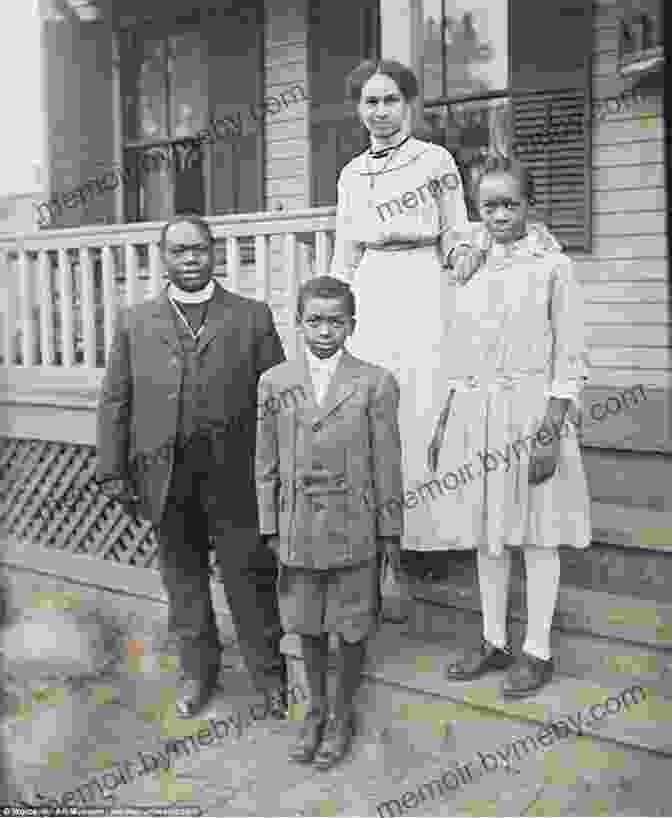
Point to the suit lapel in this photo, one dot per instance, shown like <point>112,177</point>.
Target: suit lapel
<point>341,386</point>
<point>164,317</point>
<point>219,319</point>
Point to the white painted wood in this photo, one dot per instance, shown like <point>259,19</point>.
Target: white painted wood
<point>155,269</point>
<point>639,292</point>
<point>323,252</point>
<point>65,307</point>
<point>645,199</point>
<point>626,313</point>
<point>638,152</point>
<point>630,247</point>
<point>629,224</point>
<point>629,335</point>
<point>26,292</point>
<point>632,176</point>
<point>291,266</point>
<point>133,292</point>
<point>632,358</point>
<point>45,292</point>
<point>7,309</point>
<point>233,264</point>
<point>88,307</point>
<point>109,296</point>
<point>633,270</point>
<point>262,260</point>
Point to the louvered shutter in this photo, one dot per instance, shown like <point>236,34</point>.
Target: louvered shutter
<point>550,91</point>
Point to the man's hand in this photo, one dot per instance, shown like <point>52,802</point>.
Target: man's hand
<point>390,547</point>
<point>122,491</point>
<point>465,261</point>
<point>273,542</point>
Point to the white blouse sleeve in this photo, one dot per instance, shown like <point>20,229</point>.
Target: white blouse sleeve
<point>347,251</point>
<point>454,221</point>
<point>569,364</point>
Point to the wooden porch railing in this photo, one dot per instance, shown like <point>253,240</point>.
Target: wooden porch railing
<point>63,287</point>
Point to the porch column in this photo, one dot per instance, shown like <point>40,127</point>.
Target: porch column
<point>402,37</point>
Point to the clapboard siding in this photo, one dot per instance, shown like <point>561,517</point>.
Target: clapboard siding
<point>639,152</point>
<point>287,170</point>
<point>638,200</point>
<point>626,271</point>
<point>634,335</point>
<point>628,177</point>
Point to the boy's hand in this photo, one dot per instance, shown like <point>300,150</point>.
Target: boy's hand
<point>273,542</point>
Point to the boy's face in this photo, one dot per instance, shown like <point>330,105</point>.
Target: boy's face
<point>326,324</point>
<point>502,207</point>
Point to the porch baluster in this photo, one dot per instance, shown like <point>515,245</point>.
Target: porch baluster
<point>109,297</point>
<point>132,281</point>
<point>46,296</point>
<point>262,266</point>
<point>155,269</point>
<point>233,263</point>
<point>88,307</point>
<point>26,291</point>
<point>7,316</point>
<point>322,252</point>
<point>65,307</point>
<point>291,265</point>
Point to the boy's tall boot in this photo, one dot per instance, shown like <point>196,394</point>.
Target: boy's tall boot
<point>315,651</point>
<point>340,728</point>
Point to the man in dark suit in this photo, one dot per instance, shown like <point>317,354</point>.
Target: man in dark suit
<point>176,444</point>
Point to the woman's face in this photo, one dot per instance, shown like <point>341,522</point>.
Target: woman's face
<point>502,206</point>
<point>382,107</point>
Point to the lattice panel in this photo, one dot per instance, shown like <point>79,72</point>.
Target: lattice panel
<point>48,497</point>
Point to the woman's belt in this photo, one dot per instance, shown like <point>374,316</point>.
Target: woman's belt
<point>469,383</point>
<point>401,244</point>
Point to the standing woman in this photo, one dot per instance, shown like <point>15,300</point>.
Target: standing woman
<point>504,449</point>
<point>400,217</point>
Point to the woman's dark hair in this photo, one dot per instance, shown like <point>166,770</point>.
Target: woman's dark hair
<point>325,287</point>
<point>401,74</point>
<point>496,163</point>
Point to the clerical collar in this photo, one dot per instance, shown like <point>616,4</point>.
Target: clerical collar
<point>198,297</point>
<point>381,152</point>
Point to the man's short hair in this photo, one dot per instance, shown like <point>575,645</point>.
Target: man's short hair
<point>325,287</point>
<point>188,218</point>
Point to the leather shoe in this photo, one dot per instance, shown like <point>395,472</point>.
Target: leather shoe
<point>488,658</point>
<point>310,734</point>
<point>193,695</point>
<point>276,700</point>
<point>528,675</point>
<point>336,741</point>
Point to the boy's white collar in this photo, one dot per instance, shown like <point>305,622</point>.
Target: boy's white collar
<point>323,363</point>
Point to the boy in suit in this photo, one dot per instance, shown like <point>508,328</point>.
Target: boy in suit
<point>323,468</point>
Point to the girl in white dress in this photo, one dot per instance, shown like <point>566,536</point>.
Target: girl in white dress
<point>505,450</point>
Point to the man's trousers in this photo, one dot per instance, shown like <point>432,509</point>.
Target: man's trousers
<point>249,573</point>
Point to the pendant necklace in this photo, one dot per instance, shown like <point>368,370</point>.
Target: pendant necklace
<point>388,154</point>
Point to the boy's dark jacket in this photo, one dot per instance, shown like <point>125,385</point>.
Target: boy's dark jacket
<point>323,470</point>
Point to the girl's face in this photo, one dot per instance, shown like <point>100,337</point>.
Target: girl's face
<point>382,107</point>
<point>502,206</point>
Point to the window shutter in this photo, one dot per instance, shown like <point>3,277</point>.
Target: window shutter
<point>552,137</point>
<point>550,91</point>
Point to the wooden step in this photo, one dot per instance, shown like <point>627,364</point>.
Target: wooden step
<point>608,661</point>
<point>394,659</point>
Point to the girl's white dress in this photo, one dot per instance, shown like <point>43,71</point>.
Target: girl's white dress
<point>516,338</point>
<point>401,294</point>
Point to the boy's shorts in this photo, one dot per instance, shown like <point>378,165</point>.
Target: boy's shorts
<point>335,600</point>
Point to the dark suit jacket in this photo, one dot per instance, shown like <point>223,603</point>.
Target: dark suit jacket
<point>325,471</point>
<point>139,401</point>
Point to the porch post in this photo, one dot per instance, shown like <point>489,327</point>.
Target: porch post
<point>402,37</point>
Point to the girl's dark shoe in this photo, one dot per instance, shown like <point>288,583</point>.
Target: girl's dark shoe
<point>310,735</point>
<point>488,658</point>
<point>528,675</point>
<point>336,741</point>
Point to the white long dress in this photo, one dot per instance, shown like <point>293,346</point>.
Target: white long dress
<point>403,296</point>
<point>516,339</point>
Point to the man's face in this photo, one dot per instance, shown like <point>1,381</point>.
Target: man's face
<point>325,325</point>
<point>188,256</point>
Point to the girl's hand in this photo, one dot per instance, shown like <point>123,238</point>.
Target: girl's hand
<point>543,461</point>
